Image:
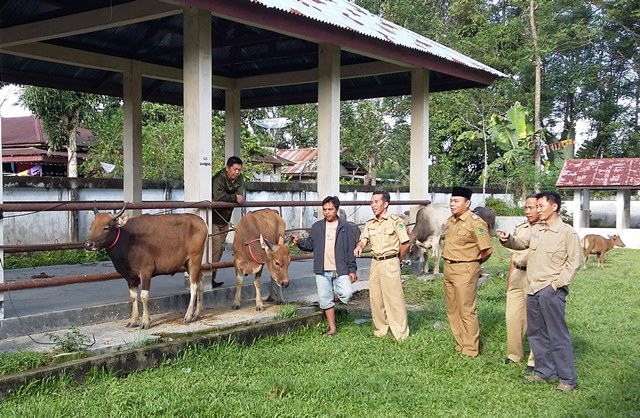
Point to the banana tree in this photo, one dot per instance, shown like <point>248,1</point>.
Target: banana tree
<point>513,134</point>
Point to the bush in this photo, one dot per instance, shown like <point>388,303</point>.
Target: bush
<point>52,258</point>
<point>72,341</point>
<point>502,208</point>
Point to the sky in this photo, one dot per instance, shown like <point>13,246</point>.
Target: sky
<point>8,99</point>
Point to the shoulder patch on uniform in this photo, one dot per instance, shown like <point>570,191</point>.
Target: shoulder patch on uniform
<point>397,220</point>
<point>474,216</point>
<point>480,230</point>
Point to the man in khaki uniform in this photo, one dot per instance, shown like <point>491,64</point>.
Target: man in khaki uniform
<point>516,311</point>
<point>389,243</point>
<point>466,245</point>
<point>554,259</point>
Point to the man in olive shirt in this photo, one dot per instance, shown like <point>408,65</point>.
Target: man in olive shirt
<point>227,186</point>
<point>516,310</point>
<point>466,245</point>
<point>554,259</point>
<point>389,243</point>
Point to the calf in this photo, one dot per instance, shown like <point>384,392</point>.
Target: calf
<point>596,244</point>
<point>145,246</point>
<point>259,240</point>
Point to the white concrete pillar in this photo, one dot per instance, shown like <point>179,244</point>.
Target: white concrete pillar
<point>577,210</point>
<point>623,207</point>
<point>232,126</point>
<point>231,123</point>
<point>328,121</point>
<point>132,109</point>
<point>197,105</point>
<point>586,208</point>
<point>419,166</point>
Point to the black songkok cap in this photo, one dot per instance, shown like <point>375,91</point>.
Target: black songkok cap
<point>462,191</point>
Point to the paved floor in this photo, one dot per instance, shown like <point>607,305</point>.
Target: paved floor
<point>50,299</point>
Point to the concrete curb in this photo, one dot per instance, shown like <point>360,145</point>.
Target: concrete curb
<point>127,361</point>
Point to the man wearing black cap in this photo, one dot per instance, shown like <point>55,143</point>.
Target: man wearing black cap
<point>466,245</point>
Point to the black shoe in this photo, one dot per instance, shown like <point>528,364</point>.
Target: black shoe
<point>529,369</point>
<point>216,284</point>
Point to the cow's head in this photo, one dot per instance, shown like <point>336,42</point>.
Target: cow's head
<point>616,240</point>
<point>278,260</point>
<point>103,229</point>
<point>417,248</point>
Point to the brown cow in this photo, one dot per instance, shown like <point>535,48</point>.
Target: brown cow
<point>259,240</point>
<point>596,244</point>
<point>145,246</point>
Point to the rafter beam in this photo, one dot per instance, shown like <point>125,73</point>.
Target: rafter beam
<point>85,22</point>
<point>79,58</point>
<point>311,76</point>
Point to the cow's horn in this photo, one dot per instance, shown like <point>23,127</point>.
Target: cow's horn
<point>95,208</point>
<point>119,214</point>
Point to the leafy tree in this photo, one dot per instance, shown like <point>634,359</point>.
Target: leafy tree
<point>162,142</point>
<point>61,113</point>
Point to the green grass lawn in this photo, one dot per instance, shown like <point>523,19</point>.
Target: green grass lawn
<point>357,375</point>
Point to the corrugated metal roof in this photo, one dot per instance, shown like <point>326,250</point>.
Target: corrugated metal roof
<point>605,173</point>
<point>304,160</point>
<point>344,14</point>
<point>251,38</point>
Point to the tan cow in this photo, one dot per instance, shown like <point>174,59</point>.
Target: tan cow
<point>596,244</point>
<point>259,241</point>
<point>145,246</point>
<point>427,235</point>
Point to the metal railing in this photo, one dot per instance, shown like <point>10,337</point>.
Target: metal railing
<point>37,207</point>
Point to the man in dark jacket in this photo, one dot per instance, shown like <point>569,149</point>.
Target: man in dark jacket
<point>332,241</point>
<point>227,186</point>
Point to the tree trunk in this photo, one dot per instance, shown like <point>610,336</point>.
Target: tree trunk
<point>72,145</point>
<point>372,170</point>
<point>485,170</point>
<point>73,215</point>
<point>536,107</point>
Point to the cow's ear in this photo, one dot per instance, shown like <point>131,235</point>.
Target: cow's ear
<point>265,244</point>
<point>122,220</point>
<point>281,240</point>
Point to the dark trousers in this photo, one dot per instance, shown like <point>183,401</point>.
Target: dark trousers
<point>549,336</point>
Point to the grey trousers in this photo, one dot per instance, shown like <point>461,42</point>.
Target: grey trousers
<point>549,336</point>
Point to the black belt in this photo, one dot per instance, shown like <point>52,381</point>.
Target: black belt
<point>461,261</point>
<point>523,268</point>
<point>385,257</point>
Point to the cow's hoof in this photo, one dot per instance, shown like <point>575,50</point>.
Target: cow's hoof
<point>132,324</point>
<point>259,308</point>
<point>279,302</point>
<point>235,307</point>
<point>144,326</point>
